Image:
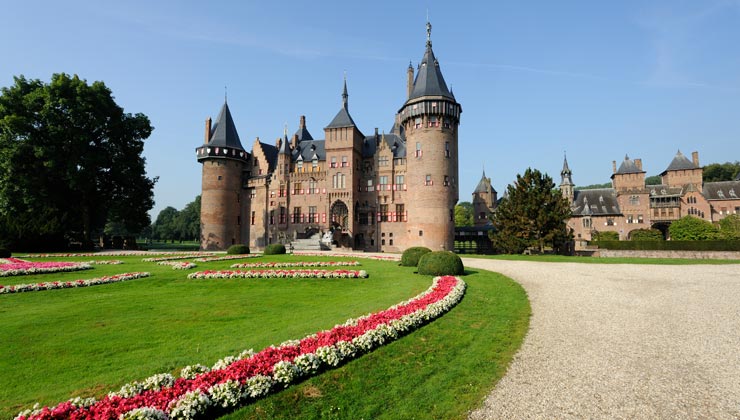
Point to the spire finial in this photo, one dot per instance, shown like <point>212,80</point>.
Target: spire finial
<point>285,130</point>
<point>345,95</point>
<point>225,94</point>
<point>429,31</point>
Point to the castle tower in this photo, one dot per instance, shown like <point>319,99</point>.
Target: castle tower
<point>430,117</point>
<point>224,160</point>
<point>343,153</point>
<point>566,182</point>
<point>484,201</point>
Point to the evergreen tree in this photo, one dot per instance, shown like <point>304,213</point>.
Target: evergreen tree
<point>533,213</point>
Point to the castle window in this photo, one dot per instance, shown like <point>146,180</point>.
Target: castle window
<point>238,220</point>
<point>363,219</point>
<point>281,193</point>
<point>630,219</point>
<point>252,218</point>
<point>312,215</point>
<point>400,213</point>
<point>313,187</point>
<point>418,150</point>
<point>370,184</point>
<point>400,182</point>
<point>382,241</point>
<point>433,122</point>
<point>338,181</point>
<point>296,215</point>
<point>482,215</point>
<point>383,181</point>
<point>299,166</point>
<point>390,242</point>
<point>383,161</point>
<point>314,164</point>
<point>252,193</point>
<point>447,181</point>
<point>272,217</point>
<point>297,188</point>
<point>610,221</point>
<point>428,180</point>
<point>446,123</point>
<point>586,222</point>
<point>639,218</point>
<point>344,162</point>
<point>447,149</point>
<point>334,162</point>
<point>282,215</point>
<point>417,122</point>
<point>737,210</point>
<point>634,200</point>
<point>220,177</point>
<point>384,212</point>
<point>421,233</point>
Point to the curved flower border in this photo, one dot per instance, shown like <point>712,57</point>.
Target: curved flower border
<point>227,257</point>
<point>274,274</point>
<point>105,262</point>
<point>348,254</point>
<point>175,257</point>
<point>116,254</point>
<point>297,264</point>
<point>237,380</point>
<point>34,287</point>
<point>18,267</point>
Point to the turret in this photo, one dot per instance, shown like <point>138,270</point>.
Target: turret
<point>224,160</point>
<point>566,181</point>
<point>430,117</point>
<point>484,201</point>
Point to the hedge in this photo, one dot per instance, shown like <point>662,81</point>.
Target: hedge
<point>411,256</point>
<point>715,245</point>
<point>275,249</point>
<point>238,249</point>
<point>441,263</point>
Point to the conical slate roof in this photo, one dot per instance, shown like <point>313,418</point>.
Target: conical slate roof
<point>566,169</point>
<point>223,133</point>
<point>680,162</point>
<point>429,80</point>
<point>343,119</point>
<point>483,184</point>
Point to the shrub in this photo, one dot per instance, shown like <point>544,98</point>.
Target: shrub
<point>661,245</point>
<point>646,235</point>
<point>4,253</point>
<point>729,227</point>
<point>690,228</point>
<point>605,236</point>
<point>411,256</point>
<point>441,263</point>
<point>238,249</point>
<point>274,249</point>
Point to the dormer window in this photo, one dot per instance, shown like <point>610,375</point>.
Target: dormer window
<point>732,193</point>
<point>720,194</point>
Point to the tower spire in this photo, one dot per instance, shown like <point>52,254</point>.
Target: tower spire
<point>429,32</point>
<point>345,96</point>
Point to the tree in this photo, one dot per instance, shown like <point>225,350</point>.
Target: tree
<point>70,161</point>
<point>653,180</point>
<point>646,235</point>
<point>165,227</point>
<point>721,171</point>
<point>690,228</point>
<point>532,214</point>
<point>464,214</point>
<point>729,227</point>
<point>187,222</point>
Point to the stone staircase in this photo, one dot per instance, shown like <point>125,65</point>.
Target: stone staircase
<point>309,244</point>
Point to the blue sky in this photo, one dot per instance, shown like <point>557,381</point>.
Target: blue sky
<point>597,80</point>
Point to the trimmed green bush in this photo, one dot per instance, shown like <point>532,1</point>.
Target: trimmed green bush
<point>670,245</point>
<point>690,228</point>
<point>441,263</point>
<point>238,249</point>
<point>4,253</point>
<point>646,235</point>
<point>411,256</point>
<point>274,249</point>
<point>605,236</point>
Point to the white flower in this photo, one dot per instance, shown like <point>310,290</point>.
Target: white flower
<point>259,385</point>
<point>144,413</point>
<point>284,372</point>
<point>189,406</point>
<point>191,371</point>
<point>226,394</point>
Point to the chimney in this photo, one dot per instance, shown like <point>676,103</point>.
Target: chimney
<point>377,139</point>
<point>302,124</point>
<point>278,142</point>
<point>614,166</point>
<point>695,158</point>
<point>410,81</point>
<point>294,142</point>
<point>208,130</point>
<point>638,163</point>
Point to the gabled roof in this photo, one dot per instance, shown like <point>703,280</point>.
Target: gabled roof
<point>722,190</point>
<point>342,119</point>
<point>303,134</point>
<point>307,149</point>
<point>484,185</point>
<point>679,163</point>
<point>392,140</point>
<point>429,80</point>
<point>628,166</point>
<point>271,154</point>
<point>223,132</point>
<point>596,202</point>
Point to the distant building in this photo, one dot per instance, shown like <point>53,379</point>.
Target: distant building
<point>630,204</point>
<point>485,198</point>
<point>382,192</point>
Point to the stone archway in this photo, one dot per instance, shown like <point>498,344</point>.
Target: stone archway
<point>339,215</point>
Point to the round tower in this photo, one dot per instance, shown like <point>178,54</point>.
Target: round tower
<point>430,117</point>
<point>221,209</point>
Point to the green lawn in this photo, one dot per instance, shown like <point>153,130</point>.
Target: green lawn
<point>79,342</point>
<point>598,260</point>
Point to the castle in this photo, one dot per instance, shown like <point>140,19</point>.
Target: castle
<point>380,192</point>
<point>630,204</point>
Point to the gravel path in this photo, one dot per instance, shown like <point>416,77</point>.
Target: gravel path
<point>623,342</point>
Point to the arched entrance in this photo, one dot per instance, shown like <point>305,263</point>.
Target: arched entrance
<point>339,215</point>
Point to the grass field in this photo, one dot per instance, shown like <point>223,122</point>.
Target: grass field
<point>80,342</point>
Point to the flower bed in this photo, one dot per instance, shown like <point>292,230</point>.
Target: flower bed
<point>175,257</point>
<point>296,264</point>
<point>18,267</point>
<point>349,254</point>
<point>236,380</point>
<point>273,274</point>
<point>18,288</point>
<point>227,257</point>
<point>178,265</point>
<point>115,254</point>
<point>105,262</point>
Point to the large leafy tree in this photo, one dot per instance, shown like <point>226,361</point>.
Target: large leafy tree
<point>729,227</point>
<point>533,213</point>
<point>187,222</point>
<point>721,171</point>
<point>690,228</point>
<point>464,214</point>
<point>70,160</point>
<point>165,227</point>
